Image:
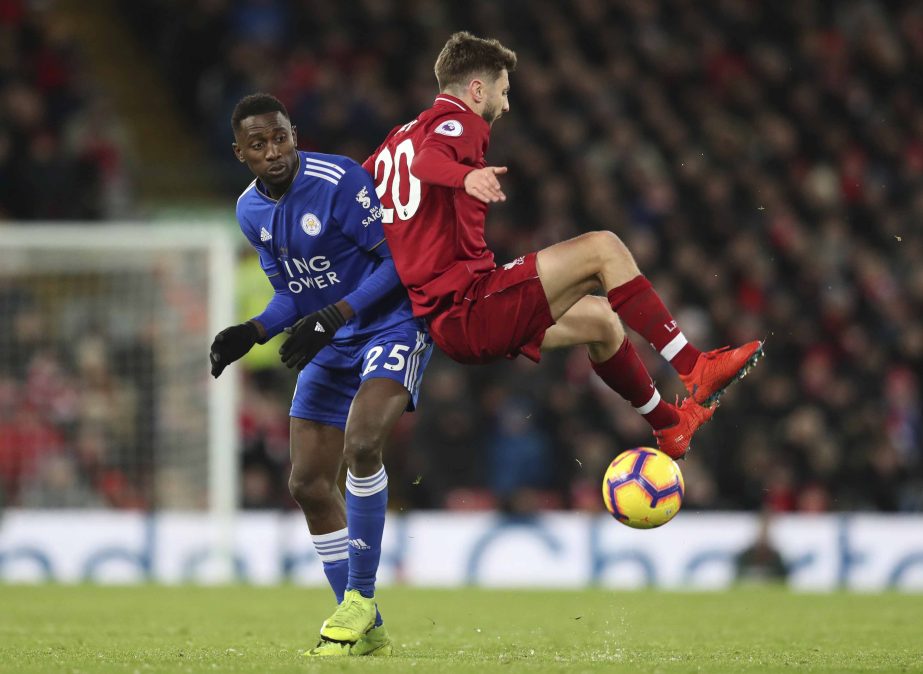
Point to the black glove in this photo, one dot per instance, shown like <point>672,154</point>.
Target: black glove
<point>309,335</point>
<point>230,344</point>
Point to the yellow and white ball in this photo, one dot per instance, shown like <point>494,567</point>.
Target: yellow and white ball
<point>643,488</point>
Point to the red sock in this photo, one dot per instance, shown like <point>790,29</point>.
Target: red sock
<point>625,374</point>
<point>639,306</point>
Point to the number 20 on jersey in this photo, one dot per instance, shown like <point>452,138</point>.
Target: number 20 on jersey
<point>390,171</point>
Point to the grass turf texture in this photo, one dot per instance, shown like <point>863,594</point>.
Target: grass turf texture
<point>247,629</point>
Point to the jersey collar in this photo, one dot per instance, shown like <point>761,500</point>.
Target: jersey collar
<point>264,192</point>
<point>450,101</point>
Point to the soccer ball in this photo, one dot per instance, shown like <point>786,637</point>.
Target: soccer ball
<point>643,488</point>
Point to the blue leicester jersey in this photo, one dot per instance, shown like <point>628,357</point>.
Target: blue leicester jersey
<point>321,240</point>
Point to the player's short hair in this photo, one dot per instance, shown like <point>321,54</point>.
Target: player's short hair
<point>256,104</point>
<point>465,56</point>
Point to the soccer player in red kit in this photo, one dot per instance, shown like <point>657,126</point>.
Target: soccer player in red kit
<point>435,186</point>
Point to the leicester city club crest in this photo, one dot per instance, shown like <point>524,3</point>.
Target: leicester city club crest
<point>311,224</point>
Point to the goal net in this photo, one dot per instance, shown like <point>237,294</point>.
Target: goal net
<point>105,395</point>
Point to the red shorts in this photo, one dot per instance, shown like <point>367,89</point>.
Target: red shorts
<point>504,313</point>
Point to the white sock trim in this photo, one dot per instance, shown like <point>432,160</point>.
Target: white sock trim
<point>332,547</point>
<point>334,556</point>
<point>366,486</point>
<point>332,536</point>
<point>674,347</point>
<point>649,406</point>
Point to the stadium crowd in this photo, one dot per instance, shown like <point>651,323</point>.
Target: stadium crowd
<point>764,162</point>
<point>62,155</point>
<point>65,415</point>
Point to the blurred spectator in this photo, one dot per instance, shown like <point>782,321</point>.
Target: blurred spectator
<point>27,440</point>
<point>447,449</point>
<point>258,488</point>
<point>761,562</point>
<point>58,484</point>
<point>519,455</point>
<point>265,426</point>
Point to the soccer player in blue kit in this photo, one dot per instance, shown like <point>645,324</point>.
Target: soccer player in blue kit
<point>315,221</point>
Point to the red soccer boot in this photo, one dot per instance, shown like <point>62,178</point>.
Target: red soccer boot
<point>674,440</point>
<point>715,370</point>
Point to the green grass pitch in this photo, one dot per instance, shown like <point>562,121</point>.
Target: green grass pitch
<point>248,629</point>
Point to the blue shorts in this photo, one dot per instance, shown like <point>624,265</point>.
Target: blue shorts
<point>327,385</point>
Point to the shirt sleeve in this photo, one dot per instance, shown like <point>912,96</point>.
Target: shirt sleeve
<point>436,165</point>
<point>281,311</point>
<point>454,146</point>
<point>378,285</point>
<point>357,210</point>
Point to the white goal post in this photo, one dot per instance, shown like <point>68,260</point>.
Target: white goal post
<point>104,336</point>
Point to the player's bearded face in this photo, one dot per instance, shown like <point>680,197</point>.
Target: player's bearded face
<point>496,101</point>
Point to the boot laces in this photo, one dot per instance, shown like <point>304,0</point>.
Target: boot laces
<point>349,610</point>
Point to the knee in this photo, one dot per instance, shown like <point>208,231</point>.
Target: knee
<point>313,493</point>
<point>608,246</point>
<point>363,446</point>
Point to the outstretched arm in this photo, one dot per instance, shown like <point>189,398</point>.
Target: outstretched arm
<point>435,164</point>
<point>235,342</point>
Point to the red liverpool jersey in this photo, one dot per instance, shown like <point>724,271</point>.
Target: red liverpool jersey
<point>434,229</point>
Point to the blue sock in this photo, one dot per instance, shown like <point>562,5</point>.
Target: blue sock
<point>337,574</point>
<point>333,549</point>
<point>366,502</point>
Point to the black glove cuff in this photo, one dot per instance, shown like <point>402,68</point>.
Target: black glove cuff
<point>255,332</point>
<point>332,317</point>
